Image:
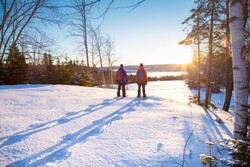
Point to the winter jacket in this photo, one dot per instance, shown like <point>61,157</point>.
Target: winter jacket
<point>121,76</point>
<point>141,75</point>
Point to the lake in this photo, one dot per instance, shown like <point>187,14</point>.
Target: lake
<point>157,74</point>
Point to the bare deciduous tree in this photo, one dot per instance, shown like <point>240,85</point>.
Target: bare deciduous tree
<point>109,47</point>
<point>83,14</point>
<point>79,24</point>
<point>18,16</point>
<point>98,45</point>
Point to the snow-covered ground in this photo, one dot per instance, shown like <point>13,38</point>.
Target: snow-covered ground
<point>59,125</point>
<point>217,98</point>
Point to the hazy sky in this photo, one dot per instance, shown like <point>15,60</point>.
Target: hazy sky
<point>149,34</point>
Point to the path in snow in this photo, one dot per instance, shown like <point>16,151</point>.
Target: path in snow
<point>58,125</point>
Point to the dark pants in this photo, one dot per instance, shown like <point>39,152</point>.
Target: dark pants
<point>139,89</point>
<point>121,85</point>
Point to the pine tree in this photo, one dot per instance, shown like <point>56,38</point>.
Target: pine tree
<point>209,15</point>
<point>47,68</point>
<point>17,67</point>
<point>3,73</point>
<point>210,55</point>
<point>228,62</point>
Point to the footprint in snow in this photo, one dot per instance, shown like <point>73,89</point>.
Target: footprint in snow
<point>174,118</point>
<point>159,146</point>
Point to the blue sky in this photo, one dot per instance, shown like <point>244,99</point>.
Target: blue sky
<point>149,34</point>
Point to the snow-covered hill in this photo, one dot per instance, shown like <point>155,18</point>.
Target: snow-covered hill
<point>58,125</point>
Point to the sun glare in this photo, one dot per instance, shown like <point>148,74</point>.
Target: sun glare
<point>179,55</point>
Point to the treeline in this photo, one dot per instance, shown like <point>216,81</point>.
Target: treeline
<point>161,67</point>
<point>51,70</point>
<point>17,71</point>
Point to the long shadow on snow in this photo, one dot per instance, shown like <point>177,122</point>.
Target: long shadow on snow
<point>19,136</point>
<point>212,132</point>
<point>59,151</point>
<point>208,119</point>
<point>21,86</point>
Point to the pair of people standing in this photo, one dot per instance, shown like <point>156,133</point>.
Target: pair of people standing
<point>141,80</point>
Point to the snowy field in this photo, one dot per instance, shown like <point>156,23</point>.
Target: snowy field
<point>59,125</point>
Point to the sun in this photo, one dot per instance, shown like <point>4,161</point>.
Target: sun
<point>179,55</point>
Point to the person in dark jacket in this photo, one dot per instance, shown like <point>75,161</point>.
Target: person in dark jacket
<point>122,80</point>
<point>141,80</point>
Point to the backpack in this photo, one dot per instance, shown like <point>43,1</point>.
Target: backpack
<point>140,75</point>
<point>119,75</point>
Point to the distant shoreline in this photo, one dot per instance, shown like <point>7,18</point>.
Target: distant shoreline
<point>158,67</point>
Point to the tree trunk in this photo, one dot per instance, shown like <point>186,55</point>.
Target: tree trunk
<point>229,75</point>
<point>199,72</point>
<point>207,99</point>
<point>85,34</point>
<point>248,8</point>
<point>102,69</point>
<point>199,62</point>
<point>239,70</point>
<point>111,76</point>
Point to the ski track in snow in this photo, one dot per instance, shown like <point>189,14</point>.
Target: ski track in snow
<point>59,125</point>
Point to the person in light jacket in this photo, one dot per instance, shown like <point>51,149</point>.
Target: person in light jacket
<point>141,80</point>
